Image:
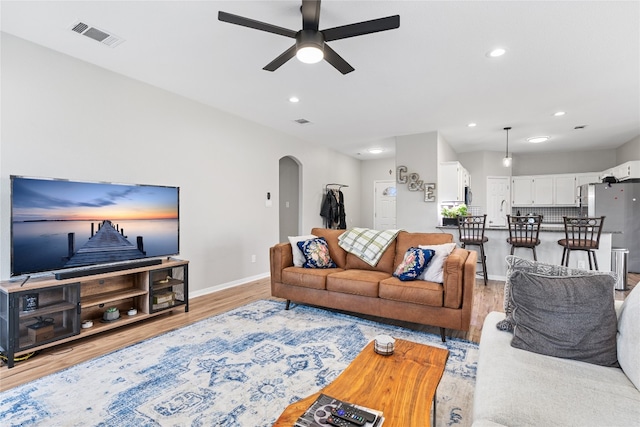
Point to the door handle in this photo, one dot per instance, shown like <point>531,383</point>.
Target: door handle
<point>502,203</point>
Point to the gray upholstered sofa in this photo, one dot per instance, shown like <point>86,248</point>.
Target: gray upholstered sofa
<point>516,387</point>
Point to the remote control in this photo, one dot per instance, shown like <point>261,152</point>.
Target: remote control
<point>339,422</point>
<point>352,414</point>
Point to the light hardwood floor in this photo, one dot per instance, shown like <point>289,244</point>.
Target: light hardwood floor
<point>486,299</point>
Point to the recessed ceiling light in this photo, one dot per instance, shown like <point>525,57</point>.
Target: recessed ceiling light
<point>294,99</point>
<point>559,113</point>
<point>496,52</point>
<point>538,139</point>
<point>472,125</point>
<point>375,150</point>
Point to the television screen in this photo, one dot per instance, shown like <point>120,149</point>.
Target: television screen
<point>60,224</point>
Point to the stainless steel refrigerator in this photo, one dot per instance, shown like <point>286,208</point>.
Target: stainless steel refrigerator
<point>620,204</point>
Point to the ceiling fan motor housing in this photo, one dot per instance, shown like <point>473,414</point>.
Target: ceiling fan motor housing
<point>309,38</point>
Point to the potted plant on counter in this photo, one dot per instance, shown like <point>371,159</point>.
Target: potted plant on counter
<point>450,214</point>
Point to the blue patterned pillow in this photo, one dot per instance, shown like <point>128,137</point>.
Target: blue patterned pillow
<point>316,253</point>
<point>413,264</point>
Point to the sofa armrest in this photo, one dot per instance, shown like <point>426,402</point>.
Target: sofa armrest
<point>280,257</point>
<point>459,278</point>
<point>453,274</point>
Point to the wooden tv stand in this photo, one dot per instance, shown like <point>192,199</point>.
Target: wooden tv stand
<point>43,312</point>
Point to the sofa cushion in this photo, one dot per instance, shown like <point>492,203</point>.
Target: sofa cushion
<point>338,255</point>
<point>298,256</point>
<point>570,317</point>
<point>629,336</point>
<point>406,240</point>
<point>414,263</point>
<point>315,278</point>
<point>515,263</point>
<point>435,270</point>
<point>356,282</point>
<point>384,265</point>
<point>316,253</point>
<point>417,291</point>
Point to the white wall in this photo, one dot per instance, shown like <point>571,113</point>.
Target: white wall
<point>419,153</point>
<point>64,118</point>
<point>629,151</point>
<point>563,162</point>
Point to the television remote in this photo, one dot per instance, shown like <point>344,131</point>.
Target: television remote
<point>339,422</point>
<point>352,414</point>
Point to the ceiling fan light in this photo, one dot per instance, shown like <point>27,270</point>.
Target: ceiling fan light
<point>309,54</point>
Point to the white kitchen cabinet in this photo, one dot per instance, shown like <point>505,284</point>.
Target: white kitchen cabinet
<point>628,170</point>
<point>565,190</point>
<point>452,180</point>
<point>522,191</point>
<point>544,190</point>
<point>587,178</point>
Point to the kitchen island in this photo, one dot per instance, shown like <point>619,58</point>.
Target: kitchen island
<point>548,251</point>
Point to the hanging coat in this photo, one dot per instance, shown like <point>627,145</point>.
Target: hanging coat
<point>329,209</point>
<point>342,215</point>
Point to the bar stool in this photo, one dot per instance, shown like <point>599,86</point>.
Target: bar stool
<point>471,233</point>
<point>524,232</point>
<point>581,234</point>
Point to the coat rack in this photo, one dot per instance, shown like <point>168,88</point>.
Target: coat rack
<point>326,187</point>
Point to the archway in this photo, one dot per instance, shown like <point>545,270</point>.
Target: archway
<point>289,197</point>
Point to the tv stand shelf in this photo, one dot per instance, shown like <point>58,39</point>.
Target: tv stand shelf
<point>107,297</point>
<point>44,312</point>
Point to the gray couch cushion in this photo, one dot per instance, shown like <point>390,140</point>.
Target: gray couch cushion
<point>515,263</point>
<point>568,317</point>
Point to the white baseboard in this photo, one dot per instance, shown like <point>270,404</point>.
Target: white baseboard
<point>216,288</point>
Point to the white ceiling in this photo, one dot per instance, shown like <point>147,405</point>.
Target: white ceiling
<point>582,57</point>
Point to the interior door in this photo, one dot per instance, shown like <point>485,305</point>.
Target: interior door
<point>384,209</point>
<point>498,201</point>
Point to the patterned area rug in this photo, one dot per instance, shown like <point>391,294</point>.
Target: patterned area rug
<point>237,369</point>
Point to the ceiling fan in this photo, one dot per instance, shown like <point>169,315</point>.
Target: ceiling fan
<point>311,46</point>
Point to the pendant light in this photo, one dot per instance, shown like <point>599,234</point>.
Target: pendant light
<point>506,162</point>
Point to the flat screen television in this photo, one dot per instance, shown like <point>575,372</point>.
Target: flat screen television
<point>58,224</point>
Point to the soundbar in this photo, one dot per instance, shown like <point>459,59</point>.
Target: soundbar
<point>70,274</point>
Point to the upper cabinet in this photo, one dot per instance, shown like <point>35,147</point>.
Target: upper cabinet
<point>565,190</point>
<point>453,178</point>
<point>549,190</point>
<point>627,170</point>
<point>532,190</point>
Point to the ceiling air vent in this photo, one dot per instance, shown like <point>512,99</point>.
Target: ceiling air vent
<point>302,121</point>
<point>96,34</point>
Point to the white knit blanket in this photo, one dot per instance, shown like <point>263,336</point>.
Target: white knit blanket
<point>367,244</point>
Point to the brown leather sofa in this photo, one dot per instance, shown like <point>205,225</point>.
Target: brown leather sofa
<point>356,286</point>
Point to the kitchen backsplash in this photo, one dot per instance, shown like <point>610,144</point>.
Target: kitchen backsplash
<point>552,215</point>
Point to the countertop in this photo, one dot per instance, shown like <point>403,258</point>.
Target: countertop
<point>553,228</point>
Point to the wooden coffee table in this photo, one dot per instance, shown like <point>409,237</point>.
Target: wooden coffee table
<point>401,385</point>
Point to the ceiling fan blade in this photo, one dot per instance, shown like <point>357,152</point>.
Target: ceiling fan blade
<point>284,57</point>
<point>256,25</point>
<point>310,14</point>
<point>336,60</point>
<point>361,28</point>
